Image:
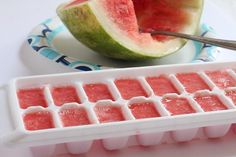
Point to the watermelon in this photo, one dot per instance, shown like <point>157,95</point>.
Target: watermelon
<point>210,102</point>
<point>144,110</point>
<point>112,27</point>
<point>177,106</point>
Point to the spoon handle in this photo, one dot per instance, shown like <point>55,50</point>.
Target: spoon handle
<point>228,44</point>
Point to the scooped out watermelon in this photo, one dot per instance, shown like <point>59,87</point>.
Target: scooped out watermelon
<point>112,27</point>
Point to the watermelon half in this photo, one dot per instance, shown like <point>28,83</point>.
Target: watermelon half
<point>112,27</point>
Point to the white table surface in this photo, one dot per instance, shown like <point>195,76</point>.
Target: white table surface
<point>18,17</point>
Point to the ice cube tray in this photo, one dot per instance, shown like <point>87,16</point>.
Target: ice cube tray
<point>112,105</point>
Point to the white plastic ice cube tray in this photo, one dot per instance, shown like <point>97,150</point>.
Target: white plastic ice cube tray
<point>114,135</point>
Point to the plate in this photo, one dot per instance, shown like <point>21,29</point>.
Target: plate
<point>52,40</point>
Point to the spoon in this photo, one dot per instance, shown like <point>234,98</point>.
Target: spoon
<point>228,44</point>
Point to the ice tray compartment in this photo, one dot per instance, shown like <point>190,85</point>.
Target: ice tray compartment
<point>143,109</point>
<point>192,82</point>
<point>222,78</point>
<point>64,94</point>
<point>107,112</point>
<point>32,97</point>
<point>38,120</point>
<point>120,104</point>
<point>210,102</point>
<point>181,105</point>
<point>161,85</point>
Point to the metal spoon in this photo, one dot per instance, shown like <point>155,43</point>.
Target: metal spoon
<point>228,44</point>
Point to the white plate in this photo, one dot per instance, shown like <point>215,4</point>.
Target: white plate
<point>52,40</point>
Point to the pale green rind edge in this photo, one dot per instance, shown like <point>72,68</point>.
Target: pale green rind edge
<point>84,26</point>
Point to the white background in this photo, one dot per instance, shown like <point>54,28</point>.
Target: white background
<point>18,17</point>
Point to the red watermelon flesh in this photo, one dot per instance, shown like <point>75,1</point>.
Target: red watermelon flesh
<point>108,113</point>
<point>232,95</point>
<point>120,29</point>
<point>148,15</point>
<point>38,120</point>
<point>144,110</point>
<point>31,97</point>
<point>74,117</point>
<point>210,103</point>
<point>97,92</point>
<point>222,79</point>
<point>178,106</point>
<point>64,94</point>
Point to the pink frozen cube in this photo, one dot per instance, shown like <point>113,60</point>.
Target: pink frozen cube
<point>177,106</point>
<point>38,120</point>
<point>108,113</point>
<point>97,92</point>
<point>130,88</point>
<point>144,110</point>
<point>210,102</point>
<point>161,85</point>
<point>74,117</point>
<point>64,94</point>
<point>232,95</point>
<point>222,79</point>
<point>31,97</point>
<point>192,82</point>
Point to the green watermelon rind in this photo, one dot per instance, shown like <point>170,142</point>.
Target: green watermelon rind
<point>85,27</point>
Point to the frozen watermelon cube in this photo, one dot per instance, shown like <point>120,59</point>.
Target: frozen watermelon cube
<point>38,120</point>
<point>108,113</point>
<point>192,82</point>
<point>31,97</point>
<point>161,85</point>
<point>130,88</point>
<point>210,102</point>
<point>232,95</point>
<point>64,94</point>
<point>97,92</point>
<point>222,79</point>
<point>144,110</point>
<point>177,106</point>
<point>74,117</point>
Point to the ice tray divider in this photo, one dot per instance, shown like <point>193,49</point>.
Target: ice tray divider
<point>86,103</point>
<point>113,90</point>
<point>48,96</point>
<point>232,73</point>
<point>177,84</point>
<point>91,114</point>
<point>208,80</point>
<point>80,92</point>
<point>160,107</point>
<point>194,104</point>
<point>148,90</point>
<point>52,107</point>
<point>15,110</point>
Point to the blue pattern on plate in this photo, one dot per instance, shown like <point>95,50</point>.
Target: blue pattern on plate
<point>208,53</point>
<point>41,42</point>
